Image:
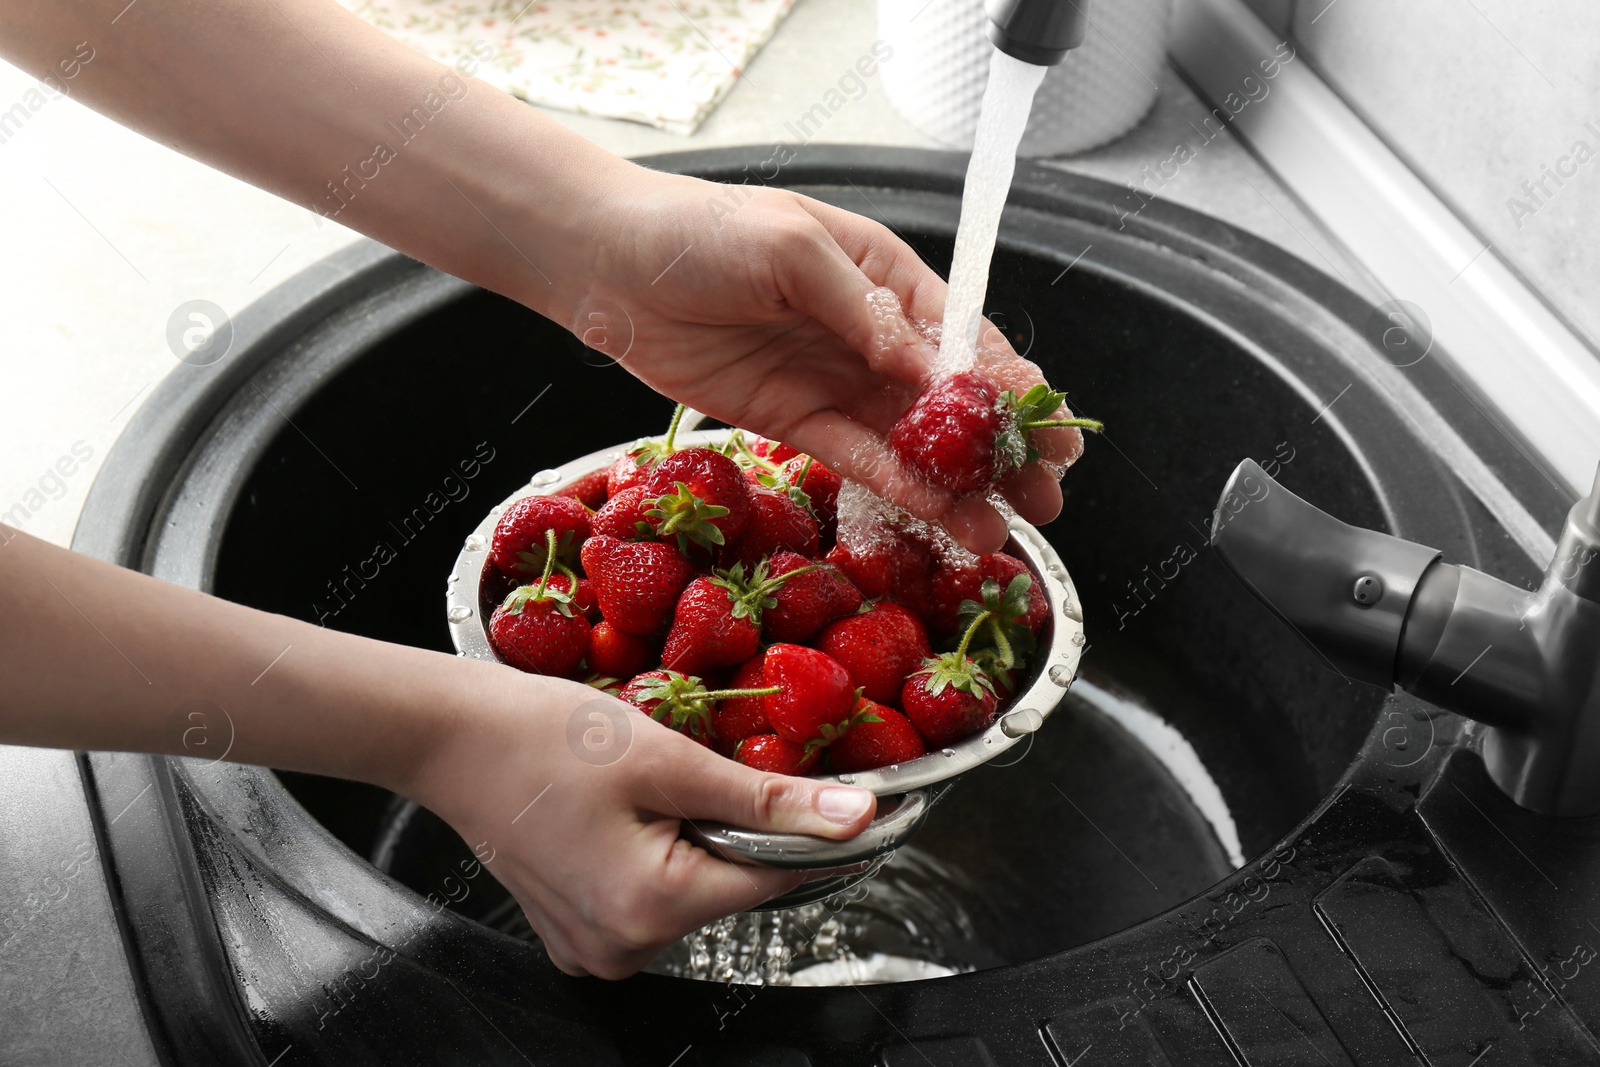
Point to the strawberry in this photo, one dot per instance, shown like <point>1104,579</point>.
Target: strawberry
<point>769,752</point>
<point>948,433</point>
<point>951,696</point>
<point>956,581</point>
<point>701,499</point>
<point>812,690</point>
<point>634,466</point>
<point>536,630</point>
<point>963,433</point>
<point>820,484</point>
<point>681,701</point>
<point>589,490</point>
<point>896,564</point>
<point>1006,569</point>
<point>880,646</point>
<point>717,622</point>
<point>618,653</point>
<point>624,516</point>
<point>635,582</point>
<point>805,603</point>
<point>875,736</point>
<point>673,700</point>
<point>738,717</point>
<point>523,532</point>
<point>776,523</point>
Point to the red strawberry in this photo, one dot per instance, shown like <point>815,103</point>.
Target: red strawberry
<point>589,490</point>
<point>769,752</point>
<point>951,696</point>
<point>738,717</point>
<point>1005,569</point>
<point>956,581</point>
<point>813,690</point>
<point>949,700</point>
<point>681,701</point>
<point>636,583</point>
<point>717,623</point>
<point>963,433</point>
<point>624,516</point>
<point>876,736</point>
<point>805,603</point>
<point>880,646</point>
<point>820,483</point>
<point>674,700</point>
<point>536,630</point>
<point>776,523</point>
<point>529,524</point>
<point>773,451</point>
<point>948,434</point>
<point>617,653</point>
<point>702,499</point>
<point>893,563</point>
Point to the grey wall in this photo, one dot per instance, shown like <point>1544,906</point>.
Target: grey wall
<point>1480,96</point>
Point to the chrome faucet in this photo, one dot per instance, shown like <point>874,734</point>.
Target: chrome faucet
<point>1040,32</point>
<point>1385,611</point>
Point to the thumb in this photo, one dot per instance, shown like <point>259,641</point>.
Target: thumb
<point>700,784</point>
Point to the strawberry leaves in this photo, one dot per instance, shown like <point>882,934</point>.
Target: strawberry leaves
<point>1031,411</point>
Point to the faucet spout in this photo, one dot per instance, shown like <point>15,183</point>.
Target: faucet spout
<point>1040,32</point>
<point>1389,612</point>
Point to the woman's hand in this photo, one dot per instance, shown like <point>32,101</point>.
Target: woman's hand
<point>754,305</point>
<point>578,799</point>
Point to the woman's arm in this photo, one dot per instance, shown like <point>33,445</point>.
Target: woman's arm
<point>759,318</point>
<point>98,657</point>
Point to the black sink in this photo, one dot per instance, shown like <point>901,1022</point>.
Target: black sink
<point>1104,910</point>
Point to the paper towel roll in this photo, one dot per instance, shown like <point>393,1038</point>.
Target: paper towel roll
<point>1098,93</point>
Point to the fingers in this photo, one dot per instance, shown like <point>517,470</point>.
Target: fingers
<point>818,279</point>
<point>883,257</point>
<point>695,783</point>
<point>976,525</point>
<point>1035,492</point>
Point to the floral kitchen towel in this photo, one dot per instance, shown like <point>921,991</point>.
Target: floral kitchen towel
<point>665,63</point>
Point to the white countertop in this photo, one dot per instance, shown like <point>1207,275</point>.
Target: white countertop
<point>107,233</point>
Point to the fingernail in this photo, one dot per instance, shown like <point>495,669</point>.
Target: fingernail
<point>842,805</point>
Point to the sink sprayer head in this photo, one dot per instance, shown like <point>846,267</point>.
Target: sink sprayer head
<point>1388,612</point>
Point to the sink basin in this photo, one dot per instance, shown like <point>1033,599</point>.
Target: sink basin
<point>1201,735</point>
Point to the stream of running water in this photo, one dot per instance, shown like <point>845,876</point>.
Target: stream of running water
<point>1007,101</point>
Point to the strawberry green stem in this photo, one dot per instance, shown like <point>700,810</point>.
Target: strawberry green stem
<point>723,694</point>
<point>805,469</point>
<point>1092,425</point>
<point>549,561</point>
<point>672,427</point>
<point>966,638</point>
<point>760,461</point>
<point>773,584</point>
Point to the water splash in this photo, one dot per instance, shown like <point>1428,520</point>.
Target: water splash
<point>1007,100</point>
